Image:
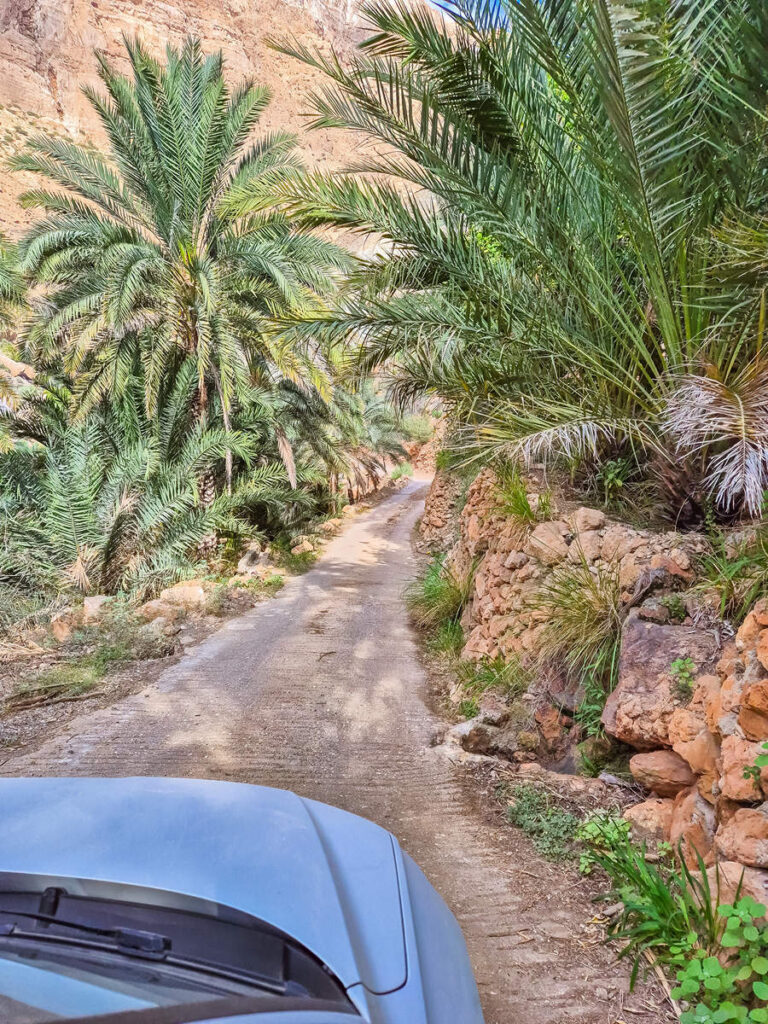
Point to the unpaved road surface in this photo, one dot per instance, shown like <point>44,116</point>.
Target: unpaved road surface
<point>321,690</point>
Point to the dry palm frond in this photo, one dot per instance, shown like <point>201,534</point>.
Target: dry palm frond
<point>730,422</point>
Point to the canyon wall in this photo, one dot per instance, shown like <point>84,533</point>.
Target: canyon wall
<point>46,53</point>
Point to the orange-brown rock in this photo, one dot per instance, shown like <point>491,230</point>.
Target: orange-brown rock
<point>729,878</point>
<point>753,716</point>
<point>586,519</point>
<point>689,732</point>
<point>547,543</point>
<point>640,708</point>
<point>662,771</point>
<point>47,55</point>
<point>551,724</point>
<point>651,819</point>
<point>738,754</point>
<point>744,837</point>
<point>692,829</point>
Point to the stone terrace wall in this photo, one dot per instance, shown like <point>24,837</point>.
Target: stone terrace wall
<point>511,563</point>
<point>694,755</point>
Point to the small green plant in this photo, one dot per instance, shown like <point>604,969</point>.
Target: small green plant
<point>675,606</point>
<point>753,772</point>
<point>612,477</point>
<point>550,826</point>
<point>469,707</point>
<point>729,989</point>
<point>682,671</point>
<point>509,677</point>
<point>589,713</point>
<point>403,469</point>
<point>602,832</point>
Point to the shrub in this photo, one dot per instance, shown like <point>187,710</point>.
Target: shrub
<point>512,499</point>
<point>583,631</point>
<point>667,908</point>
<point>448,639</point>
<point>437,596</point>
<point>511,678</point>
<point>737,574</point>
<point>404,469</point>
<point>417,427</point>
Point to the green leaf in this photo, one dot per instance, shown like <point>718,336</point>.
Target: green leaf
<point>760,965</point>
<point>760,989</point>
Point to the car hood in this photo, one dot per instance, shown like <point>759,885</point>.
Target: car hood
<point>325,877</point>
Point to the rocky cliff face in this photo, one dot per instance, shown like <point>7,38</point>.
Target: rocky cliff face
<point>46,52</point>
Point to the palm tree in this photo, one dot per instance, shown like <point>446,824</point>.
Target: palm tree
<point>571,197</point>
<point>170,250</point>
<point>110,504</point>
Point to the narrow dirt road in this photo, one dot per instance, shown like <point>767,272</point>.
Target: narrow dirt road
<point>320,690</point>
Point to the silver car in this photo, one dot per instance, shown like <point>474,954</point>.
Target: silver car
<point>166,901</point>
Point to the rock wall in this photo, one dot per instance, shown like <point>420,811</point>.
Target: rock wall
<point>692,705</point>
<point>46,51</point>
<point>511,563</point>
<point>707,789</point>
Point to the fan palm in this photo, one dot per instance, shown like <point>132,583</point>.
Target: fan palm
<point>171,249</point>
<point>562,189</point>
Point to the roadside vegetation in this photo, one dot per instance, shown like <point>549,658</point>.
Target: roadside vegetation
<point>165,418</point>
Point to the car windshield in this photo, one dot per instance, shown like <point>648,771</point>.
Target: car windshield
<point>67,957</point>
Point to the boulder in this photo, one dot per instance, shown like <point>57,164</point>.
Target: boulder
<point>662,771</point>
<point>639,709</point>
<point>547,542</point>
<point>585,519</point>
<point>188,595</point>
<point>252,558</point>
<point>157,609</point>
<point>304,547</point>
<point>692,829</point>
<point>651,819</point>
<point>630,571</point>
<point>64,622</point>
<point>672,566</point>
<point>738,754</point>
<point>94,607</point>
<point>744,837</point>
<point>479,737</point>
<point>585,548</point>
<point>753,716</point>
<point>689,733</point>
<point>619,541</point>
<point>551,724</point>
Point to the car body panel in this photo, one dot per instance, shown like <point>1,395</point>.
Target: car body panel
<point>336,883</point>
<point>259,850</point>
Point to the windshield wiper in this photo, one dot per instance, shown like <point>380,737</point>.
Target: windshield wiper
<point>125,938</point>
